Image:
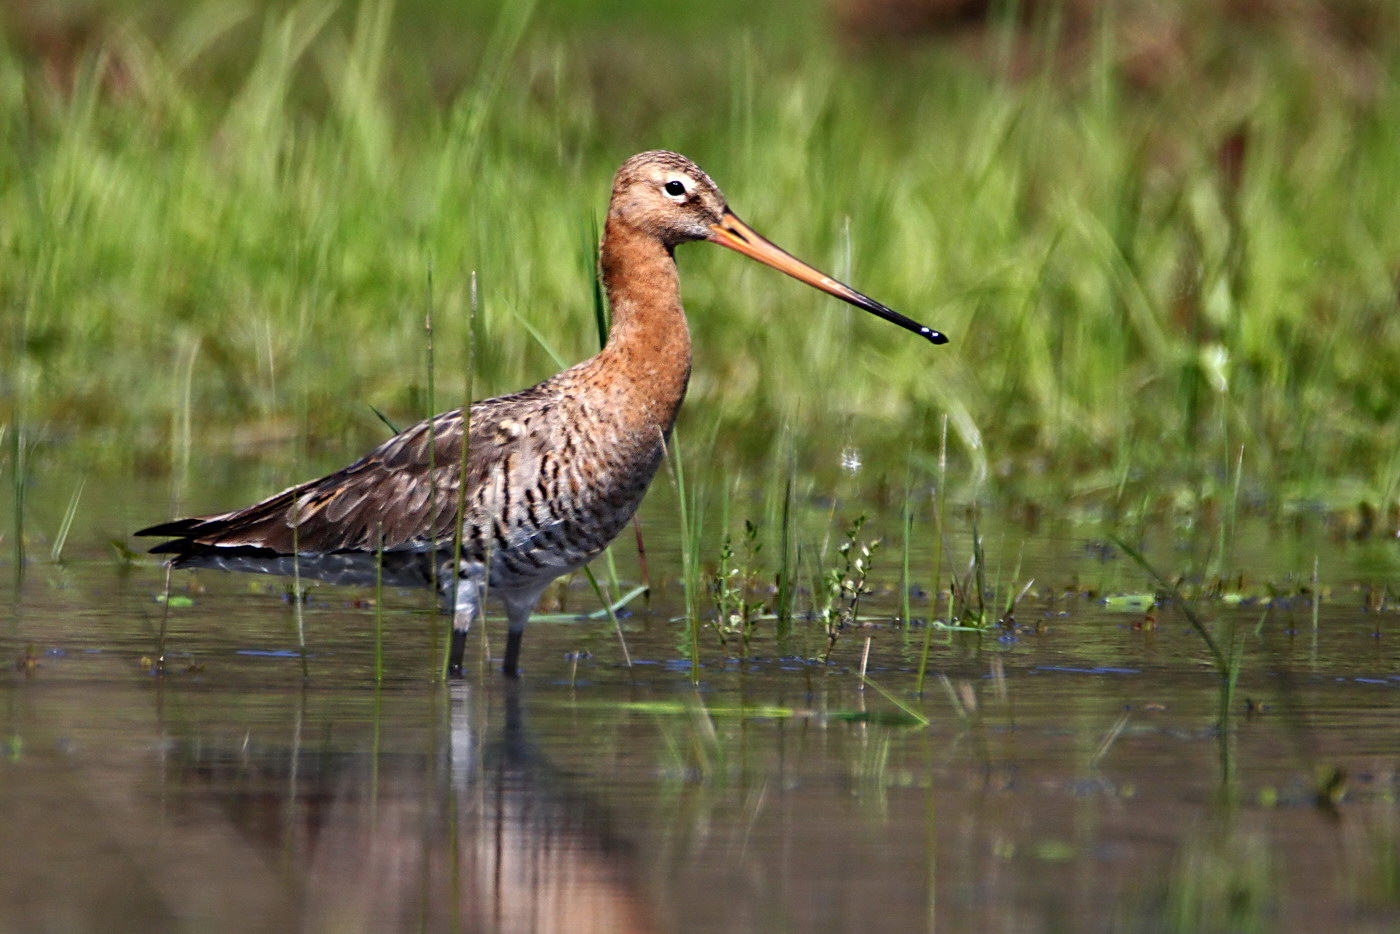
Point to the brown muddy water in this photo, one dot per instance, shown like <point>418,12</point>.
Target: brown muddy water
<point>1070,776</point>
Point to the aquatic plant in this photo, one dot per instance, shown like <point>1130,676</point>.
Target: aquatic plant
<point>737,611</point>
<point>842,585</point>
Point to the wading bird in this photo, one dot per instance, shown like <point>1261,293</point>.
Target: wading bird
<point>552,473</point>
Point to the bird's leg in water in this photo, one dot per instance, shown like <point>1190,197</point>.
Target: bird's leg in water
<point>517,615</point>
<point>465,597</point>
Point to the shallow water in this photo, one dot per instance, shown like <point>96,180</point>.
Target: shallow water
<point>1070,776</point>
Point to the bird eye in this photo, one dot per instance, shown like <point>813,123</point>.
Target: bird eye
<point>675,188</point>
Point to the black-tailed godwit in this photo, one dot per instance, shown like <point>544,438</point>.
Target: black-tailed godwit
<point>553,472</point>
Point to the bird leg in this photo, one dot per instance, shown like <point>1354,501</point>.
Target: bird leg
<point>464,593</point>
<point>511,666</point>
<point>518,612</point>
<point>459,648</point>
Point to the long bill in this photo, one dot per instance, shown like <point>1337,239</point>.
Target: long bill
<point>740,237</point>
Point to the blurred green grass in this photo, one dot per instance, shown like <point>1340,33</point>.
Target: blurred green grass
<point>218,225</point>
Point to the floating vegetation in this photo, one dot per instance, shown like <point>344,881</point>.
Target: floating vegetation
<point>900,716</point>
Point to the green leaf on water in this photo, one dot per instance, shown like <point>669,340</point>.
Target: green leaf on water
<point>1054,851</point>
<point>1130,602</point>
<point>680,708</point>
<point>878,717</point>
<point>176,600</point>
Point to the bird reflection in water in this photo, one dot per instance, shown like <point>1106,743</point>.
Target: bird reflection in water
<point>482,837</point>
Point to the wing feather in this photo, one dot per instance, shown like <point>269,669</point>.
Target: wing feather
<point>405,490</point>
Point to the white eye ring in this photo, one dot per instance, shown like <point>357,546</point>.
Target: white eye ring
<point>676,190</point>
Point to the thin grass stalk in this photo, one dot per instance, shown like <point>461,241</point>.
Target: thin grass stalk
<point>721,598</point>
<point>1316,596</point>
<point>689,545</point>
<point>887,695</point>
<point>375,747</point>
<point>1225,736</point>
<point>615,586</point>
<point>378,613</point>
<point>13,382</point>
<point>435,628</point>
<point>164,622</point>
<point>979,572</point>
<point>69,514</point>
<point>801,570</point>
<point>786,570</point>
<point>1219,657</point>
<point>1109,739</point>
<point>958,707</point>
<point>998,679</point>
<point>385,419</point>
<point>297,610</point>
<point>1017,596</point>
<point>601,318</point>
<point>642,567</point>
<point>939,502</point>
<point>1014,595</point>
<point>778,518</point>
<point>906,528</point>
<point>1235,492</point>
<point>607,601</point>
<point>1232,674</point>
<point>184,447</point>
<point>1231,511</point>
<point>864,663</point>
<point>497,68</point>
<point>464,458</point>
<point>1226,665</point>
<point>17,497</point>
<point>487,558</point>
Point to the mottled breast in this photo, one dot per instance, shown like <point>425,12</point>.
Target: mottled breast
<point>563,480</point>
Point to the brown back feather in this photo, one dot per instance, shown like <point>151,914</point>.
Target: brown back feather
<point>405,490</point>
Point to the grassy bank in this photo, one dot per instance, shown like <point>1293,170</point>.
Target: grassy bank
<point>220,233</point>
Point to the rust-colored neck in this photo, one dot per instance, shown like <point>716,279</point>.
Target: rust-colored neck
<point>649,343</point>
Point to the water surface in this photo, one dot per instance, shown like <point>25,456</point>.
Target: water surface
<point>1070,775</point>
